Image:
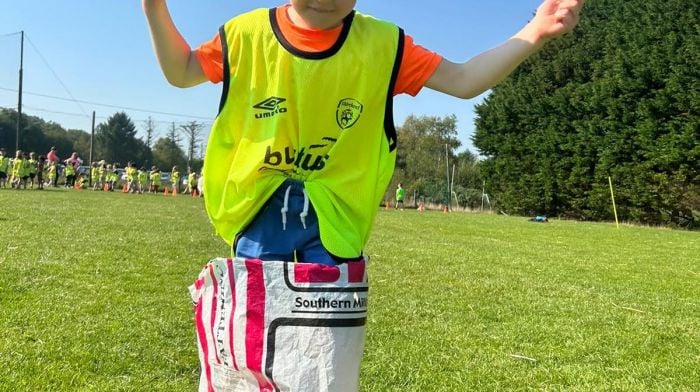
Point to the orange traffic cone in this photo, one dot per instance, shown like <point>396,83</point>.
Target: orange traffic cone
<point>106,187</point>
<point>174,191</point>
<point>165,191</point>
<point>124,188</point>
<point>194,193</point>
<point>445,210</point>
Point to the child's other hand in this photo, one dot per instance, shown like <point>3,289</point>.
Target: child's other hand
<point>556,17</point>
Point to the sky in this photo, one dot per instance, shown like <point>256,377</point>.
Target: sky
<point>82,56</point>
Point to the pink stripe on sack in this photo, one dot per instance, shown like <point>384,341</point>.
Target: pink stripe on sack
<point>356,271</point>
<point>202,336</point>
<point>214,308</point>
<point>232,287</point>
<point>255,328</point>
<point>315,273</point>
<point>199,283</point>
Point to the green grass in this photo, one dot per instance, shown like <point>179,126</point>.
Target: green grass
<point>93,297</point>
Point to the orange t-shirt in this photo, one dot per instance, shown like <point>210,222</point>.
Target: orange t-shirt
<point>417,65</point>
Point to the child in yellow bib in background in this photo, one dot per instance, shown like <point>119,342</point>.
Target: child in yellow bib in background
<point>154,177</point>
<point>297,172</point>
<point>4,168</point>
<point>142,179</point>
<point>191,181</point>
<point>175,179</point>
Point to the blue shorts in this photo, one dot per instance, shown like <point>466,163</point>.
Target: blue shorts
<point>285,226</point>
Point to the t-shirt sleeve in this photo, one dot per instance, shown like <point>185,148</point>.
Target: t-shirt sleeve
<point>211,58</point>
<point>417,66</point>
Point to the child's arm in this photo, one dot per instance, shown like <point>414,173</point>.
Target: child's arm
<point>553,19</point>
<point>177,60</point>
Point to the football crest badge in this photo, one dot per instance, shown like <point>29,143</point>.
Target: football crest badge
<point>348,112</point>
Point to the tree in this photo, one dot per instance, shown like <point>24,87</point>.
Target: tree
<point>150,131</point>
<point>166,154</point>
<point>193,132</point>
<point>81,143</point>
<point>173,135</point>
<point>420,161</point>
<point>619,97</point>
<point>116,140</point>
<point>468,181</point>
<point>37,135</point>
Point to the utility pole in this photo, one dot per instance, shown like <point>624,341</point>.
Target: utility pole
<point>92,146</point>
<point>19,99</point>
<point>452,186</point>
<point>447,168</point>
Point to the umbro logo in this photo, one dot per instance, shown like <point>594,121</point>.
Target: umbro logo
<point>271,107</point>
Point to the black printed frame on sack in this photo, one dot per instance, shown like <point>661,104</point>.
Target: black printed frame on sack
<point>308,322</point>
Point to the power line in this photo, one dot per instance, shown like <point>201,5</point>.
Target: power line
<point>41,56</point>
<point>77,101</point>
<point>110,106</point>
<point>55,111</point>
<point>10,34</point>
<point>36,109</point>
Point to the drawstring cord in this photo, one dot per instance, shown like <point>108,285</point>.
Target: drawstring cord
<point>285,208</point>
<point>305,211</point>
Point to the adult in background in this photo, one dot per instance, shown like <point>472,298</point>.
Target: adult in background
<point>74,161</point>
<point>52,156</point>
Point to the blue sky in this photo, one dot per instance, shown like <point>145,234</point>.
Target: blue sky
<point>99,52</point>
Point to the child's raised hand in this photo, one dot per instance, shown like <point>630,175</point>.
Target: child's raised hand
<point>556,17</point>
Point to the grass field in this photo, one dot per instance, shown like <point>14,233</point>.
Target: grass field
<point>93,297</point>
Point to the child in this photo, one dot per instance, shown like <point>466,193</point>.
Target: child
<point>40,167</point>
<point>26,167</point>
<point>32,166</point>
<point>154,176</point>
<point>70,174</point>
<point>82,182</point>
<point>296,172</point>
<point>94,175</point>
<point>4,168</point>
<point>175,179</point>
<point>191,181</point>
<point>400,193</point>
<point>107,183</point>
<point>114,177</point>
<point>52,173</point>
<point>316,155</point>
<point>18,168</point>
<point>131,174</point>
<point>142,179</point>
<point>101,176</point>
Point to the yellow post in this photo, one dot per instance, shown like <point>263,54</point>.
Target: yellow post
<point>612,195</point>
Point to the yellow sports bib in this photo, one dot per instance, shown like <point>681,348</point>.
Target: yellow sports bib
<point>321,118</point>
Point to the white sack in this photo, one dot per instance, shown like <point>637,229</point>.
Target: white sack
<point>276,326</point>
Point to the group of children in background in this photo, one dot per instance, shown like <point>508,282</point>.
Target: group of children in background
<point>22,170</point>
<point>26,170</point>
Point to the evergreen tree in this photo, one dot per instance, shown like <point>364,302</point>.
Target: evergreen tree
<point>116,140</point>
<point>619,97</point>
